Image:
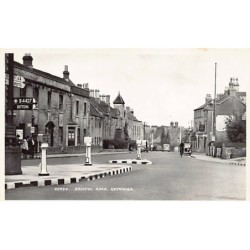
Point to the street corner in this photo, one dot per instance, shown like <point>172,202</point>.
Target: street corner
<point>130,161</point>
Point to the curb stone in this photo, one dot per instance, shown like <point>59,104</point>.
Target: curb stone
<point>130,161</point>
<point>66,180</point>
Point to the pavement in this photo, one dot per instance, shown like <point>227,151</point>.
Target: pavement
<point>63,174</point>
<point>236,161</point>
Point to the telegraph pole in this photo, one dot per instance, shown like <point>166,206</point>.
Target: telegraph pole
<point>12,149</point>
<point>214,116</point>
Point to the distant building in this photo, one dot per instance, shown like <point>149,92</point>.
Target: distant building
<point>230,103</point>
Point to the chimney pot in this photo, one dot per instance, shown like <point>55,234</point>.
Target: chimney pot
<point>66,72</point>
<point>27,60</point>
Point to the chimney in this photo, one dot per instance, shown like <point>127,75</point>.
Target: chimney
<point>176,124</point>
<point>132,111</point>
<point>108,99</point>
<point>208,98</point>
<point>232,92</point>
<point>237,85</point>
<point>79,86</point>
<point>27,60</point>
<point>66,73</point>
<point>97,95</point>
<point>171,124</point>
<point>92,94</point>
<point>86,85</point>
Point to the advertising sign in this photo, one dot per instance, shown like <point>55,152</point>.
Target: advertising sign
<point>18,82</point>
<point>20,133</point>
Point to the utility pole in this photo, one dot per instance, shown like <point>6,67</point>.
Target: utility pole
<point>214,116</point>
<point>12,149</point>
<point>144,131</point>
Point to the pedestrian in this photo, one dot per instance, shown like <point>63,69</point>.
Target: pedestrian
<point>18,140</point>
<point>31,144</point>
<point>25,148</point>
<point>181,146</point>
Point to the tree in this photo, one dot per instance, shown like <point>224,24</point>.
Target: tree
<point>236,129</point>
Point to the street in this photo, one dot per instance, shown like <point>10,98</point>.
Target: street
<point>170,177</point>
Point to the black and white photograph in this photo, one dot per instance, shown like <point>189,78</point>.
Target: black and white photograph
<point>126,124</point>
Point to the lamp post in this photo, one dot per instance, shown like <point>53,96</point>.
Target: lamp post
<point>12,149</point>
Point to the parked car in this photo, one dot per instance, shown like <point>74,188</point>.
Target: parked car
<point>166,147</point>
<point>187,148</point>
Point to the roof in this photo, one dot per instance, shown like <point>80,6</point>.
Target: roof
<point>118,100</point>
<point>94,111</point>
<point>132,117</point>
<point>44,74</point>
<point>101,108</point>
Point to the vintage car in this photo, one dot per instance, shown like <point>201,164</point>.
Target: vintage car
<point>187,148</point>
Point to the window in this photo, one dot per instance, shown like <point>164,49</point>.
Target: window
<point>60,102</point>
<point>61,135</point>
<point>36,93</point>
<point>49,99</point>
<point>78,136</point>
<point>77,107</point>
<point>23,92</point>
<point>84,109</point>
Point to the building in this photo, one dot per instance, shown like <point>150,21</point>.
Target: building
<point>230,103</point>
<point>62,109</point>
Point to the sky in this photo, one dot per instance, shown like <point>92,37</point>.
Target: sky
<point>160,85</point>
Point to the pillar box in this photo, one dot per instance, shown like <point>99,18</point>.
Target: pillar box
<point>139,144</point>
<point>87,142</point>
<point>43,163</point>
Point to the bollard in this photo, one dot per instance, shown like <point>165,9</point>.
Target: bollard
<point>88,155</point>
<point>43,163</point>
<point>138,142</point>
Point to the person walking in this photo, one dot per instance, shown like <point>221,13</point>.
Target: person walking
<point>181,148</point>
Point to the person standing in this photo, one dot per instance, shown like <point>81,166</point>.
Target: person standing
<point>31,144</point>
<point>181,148</point>
<point>25,148</point>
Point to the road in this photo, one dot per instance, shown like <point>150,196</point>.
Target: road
<point>170,177</point>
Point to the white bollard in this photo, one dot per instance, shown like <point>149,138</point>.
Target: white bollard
<point>88,155</point>
<point>138,142</point>
<point>43,163</point>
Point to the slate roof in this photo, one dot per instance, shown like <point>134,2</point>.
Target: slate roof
<point>94,110</point>
<point>44,74</point>
<point>118,100</point>
<point>219,101</point>
<point>132,117</point>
